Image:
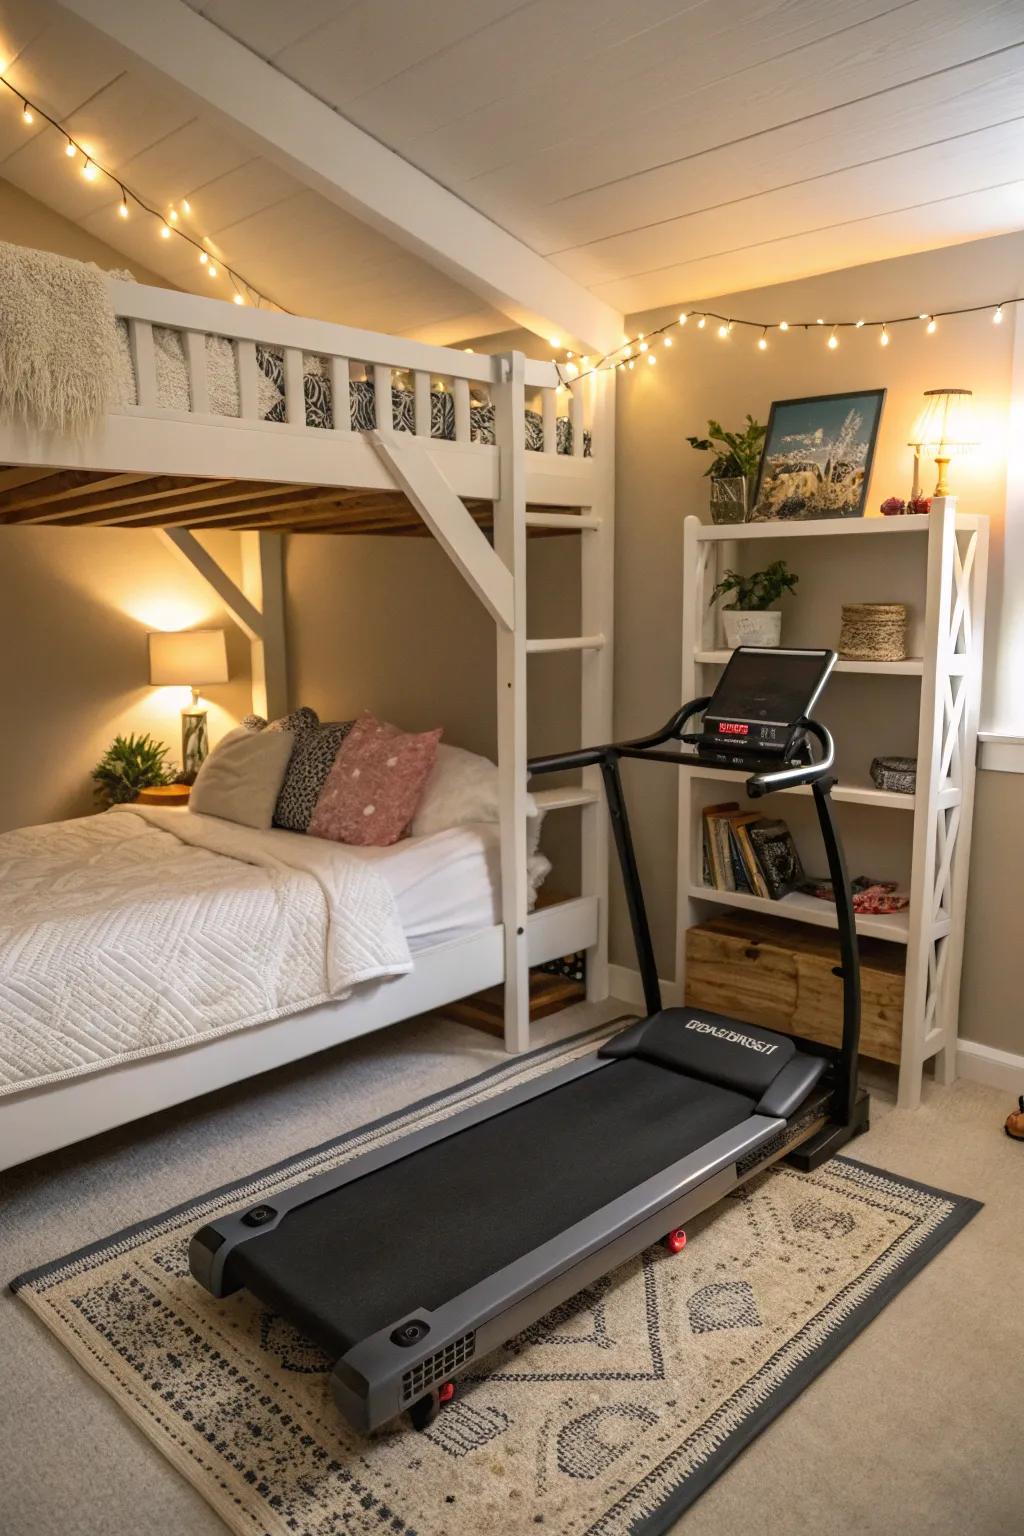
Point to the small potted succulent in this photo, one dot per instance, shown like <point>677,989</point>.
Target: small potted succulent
<point>129,764</point>
<point>733,470</point>
<point>750,619</point>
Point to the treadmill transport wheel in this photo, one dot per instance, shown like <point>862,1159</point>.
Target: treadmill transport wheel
<point>423,1413</point>
<point>675,1241</point>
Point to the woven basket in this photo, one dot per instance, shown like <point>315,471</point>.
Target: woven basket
<point>895,773</point>
<point>873,632</point>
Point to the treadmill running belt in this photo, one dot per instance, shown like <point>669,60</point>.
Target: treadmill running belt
<point>421,1230</point>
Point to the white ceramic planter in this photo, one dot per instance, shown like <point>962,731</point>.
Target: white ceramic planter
<point>751,628</point>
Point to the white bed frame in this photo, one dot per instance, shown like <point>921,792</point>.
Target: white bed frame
<point>146,439</point>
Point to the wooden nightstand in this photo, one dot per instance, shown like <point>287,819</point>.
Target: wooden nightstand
<point>164,794</point>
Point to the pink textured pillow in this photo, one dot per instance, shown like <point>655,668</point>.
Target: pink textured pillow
<point>372,791</point>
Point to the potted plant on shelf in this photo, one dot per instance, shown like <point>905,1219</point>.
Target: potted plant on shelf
<point>733,470</point>
<point>750,619</point>
<point>129,764</point>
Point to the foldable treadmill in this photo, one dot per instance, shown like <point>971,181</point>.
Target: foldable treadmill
<point>411,1263</point>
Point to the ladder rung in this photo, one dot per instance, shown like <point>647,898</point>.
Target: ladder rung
<point>562,799</point>
<point>561,520</point>
<point>565,643</point>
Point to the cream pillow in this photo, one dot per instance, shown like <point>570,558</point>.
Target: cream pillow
<point>242,777</point>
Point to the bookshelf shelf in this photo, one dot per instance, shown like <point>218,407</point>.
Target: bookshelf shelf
<point>912,666</point>
<point>937,563</point>
<point>894,926</point>
<point>847,794</point>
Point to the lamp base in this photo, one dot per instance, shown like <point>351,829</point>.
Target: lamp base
<point>194,742</point>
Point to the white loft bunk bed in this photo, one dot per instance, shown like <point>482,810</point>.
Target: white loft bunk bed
<point>179,471</point>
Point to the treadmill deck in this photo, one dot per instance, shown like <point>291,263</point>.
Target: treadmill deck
<point>419,1231</point>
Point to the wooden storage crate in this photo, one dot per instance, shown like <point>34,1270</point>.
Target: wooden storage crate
<point>765,970</point>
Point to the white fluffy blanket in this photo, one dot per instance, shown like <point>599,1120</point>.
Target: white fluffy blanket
<point>58,347</point>
<point>143,930</point>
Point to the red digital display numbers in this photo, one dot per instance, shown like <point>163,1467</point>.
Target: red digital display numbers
<point>732,728</point>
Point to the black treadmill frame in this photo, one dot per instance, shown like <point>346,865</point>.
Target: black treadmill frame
<point>380,1377</point>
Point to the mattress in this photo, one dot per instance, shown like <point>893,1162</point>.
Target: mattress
<point>222,381</point>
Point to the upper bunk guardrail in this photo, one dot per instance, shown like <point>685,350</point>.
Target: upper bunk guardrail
<point>385,362</point>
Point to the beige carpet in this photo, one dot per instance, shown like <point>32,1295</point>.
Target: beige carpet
<point>912,1429</point>
<point>608,1417</point>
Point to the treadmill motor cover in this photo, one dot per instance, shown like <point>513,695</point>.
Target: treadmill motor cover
<point>709,1047</point>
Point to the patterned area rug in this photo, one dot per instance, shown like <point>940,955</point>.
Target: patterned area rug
<point>609,1417</point>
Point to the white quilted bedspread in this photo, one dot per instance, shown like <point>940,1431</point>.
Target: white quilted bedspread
<point>143,930</point>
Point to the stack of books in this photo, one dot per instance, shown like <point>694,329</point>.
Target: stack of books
<point>744,851</point>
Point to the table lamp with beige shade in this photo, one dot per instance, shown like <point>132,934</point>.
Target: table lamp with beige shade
<point>944,429</point>
<point>191,658</point>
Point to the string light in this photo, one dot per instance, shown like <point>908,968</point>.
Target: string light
<point>683,318</point>
<point>833,340</point>
<point>651,359</point>
<point>643,346</point>
<point>884,338</point>
<point>762,345</point>
<point>783,325</point>
<point>997,318</point>
<point>667,341</point>
<point>932,325</point>
<point>203,258</point>
<point>859,325</point>
<point>211,270</point>
<point>92,170</point>
<point>723,331</point>
<point>702,322</point>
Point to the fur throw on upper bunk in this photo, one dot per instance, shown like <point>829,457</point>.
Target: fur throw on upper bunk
<point>58,348</point>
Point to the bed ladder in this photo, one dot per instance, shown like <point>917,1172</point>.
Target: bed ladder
<point>498,576</point>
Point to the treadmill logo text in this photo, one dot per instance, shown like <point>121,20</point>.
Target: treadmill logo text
<point>733,1036</point>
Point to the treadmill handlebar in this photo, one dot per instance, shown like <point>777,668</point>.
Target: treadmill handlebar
<point>761,783</point>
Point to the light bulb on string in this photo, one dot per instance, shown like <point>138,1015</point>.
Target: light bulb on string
<point>783,325</point>
<point>833,340</point>
<point>651,358</point>
<point>997,318</point>
<point>631,364</point>
<point>666,341</point>
<point>683,318</point>
<point>211,270</point>
<point>702,322</point>
<point>643,346</point>
<point>762,345</point>
<point>924,317</point>
<point>859,325</point>
<point>165,231</point>
<point>932,326</point>
<point>203,258</point>
<point>70,150</point>
<point>89,171</point>
<point>172,217</point>
<point>186,206</point>
<point>723,331</point>
<point>239,299</point>
<point>123,207</point>
<point>27,115</point>
<point>883,340</point>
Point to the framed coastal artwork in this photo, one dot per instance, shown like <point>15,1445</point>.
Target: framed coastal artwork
<point>817,457</point>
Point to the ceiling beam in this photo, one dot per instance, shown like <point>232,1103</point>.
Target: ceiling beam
<point>322,149</point>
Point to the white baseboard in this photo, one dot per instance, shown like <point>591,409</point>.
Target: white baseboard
<point>985,1064</point>
<point>625,983</point>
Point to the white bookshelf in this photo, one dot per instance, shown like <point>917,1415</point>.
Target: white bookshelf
<point>926,706</point>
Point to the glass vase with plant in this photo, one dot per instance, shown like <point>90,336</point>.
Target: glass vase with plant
<point>129,764</point>
<point>733,469</point>
<point>750,619</point>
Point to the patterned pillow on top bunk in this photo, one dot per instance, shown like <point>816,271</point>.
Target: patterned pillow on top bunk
<point>363,407</point>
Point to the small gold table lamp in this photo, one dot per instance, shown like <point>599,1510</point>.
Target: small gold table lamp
<point>945,427</point>
<point>191,658</point>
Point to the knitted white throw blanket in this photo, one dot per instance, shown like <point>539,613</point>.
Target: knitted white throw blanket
<point>58,347</point>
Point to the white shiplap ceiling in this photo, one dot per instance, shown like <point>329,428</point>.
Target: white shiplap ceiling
<point>662,150</point>
<point>655,151</point>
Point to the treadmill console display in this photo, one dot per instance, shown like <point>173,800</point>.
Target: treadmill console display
<point>761,699</point>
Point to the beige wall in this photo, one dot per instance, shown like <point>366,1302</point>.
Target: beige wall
<point>75,608</point>
<point>659,481</point>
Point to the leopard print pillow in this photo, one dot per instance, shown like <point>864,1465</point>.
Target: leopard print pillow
<point>316,747</point>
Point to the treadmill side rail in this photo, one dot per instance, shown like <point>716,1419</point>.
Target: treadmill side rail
<point>377,1379</point>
